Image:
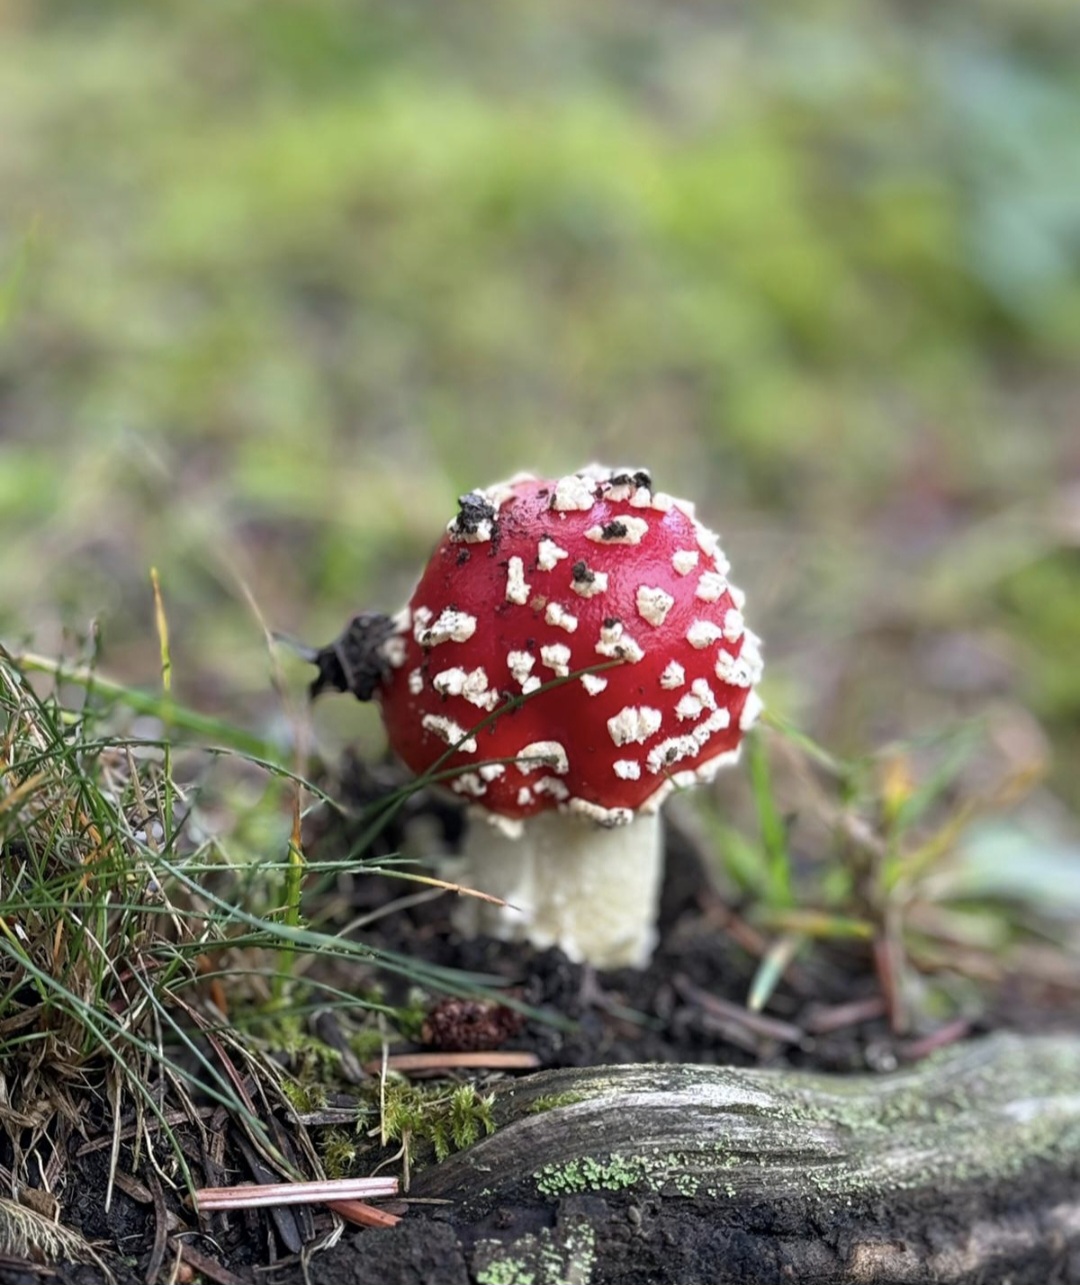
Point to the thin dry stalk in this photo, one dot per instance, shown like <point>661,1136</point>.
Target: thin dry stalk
<point>759,1024</point>
<point>431,1062</point>
<point>260,1195</point>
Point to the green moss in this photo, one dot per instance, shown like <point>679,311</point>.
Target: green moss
<point>338,1149</point>
<point>552,1102</point>
<point>448,1120</point>
<point>304,1097</point>
<point>410,1018</point>
<point>313,1063</point>
<point>367,1044</point>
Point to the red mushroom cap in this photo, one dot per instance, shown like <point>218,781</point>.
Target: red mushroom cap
<point>537,580</point>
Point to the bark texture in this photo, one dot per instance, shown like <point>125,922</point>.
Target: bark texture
<point>963,1168</point>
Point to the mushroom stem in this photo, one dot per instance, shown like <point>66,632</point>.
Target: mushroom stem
<point>594,892</point>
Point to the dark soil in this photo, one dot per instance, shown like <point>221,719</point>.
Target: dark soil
<point>688,1006</point>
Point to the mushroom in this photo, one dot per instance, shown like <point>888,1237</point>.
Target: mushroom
<point>572,653</point>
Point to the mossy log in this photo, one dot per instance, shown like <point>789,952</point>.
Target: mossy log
<point>963,1168</point>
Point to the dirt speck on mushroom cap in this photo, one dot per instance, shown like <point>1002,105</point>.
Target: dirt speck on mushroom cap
<point>512,598</point>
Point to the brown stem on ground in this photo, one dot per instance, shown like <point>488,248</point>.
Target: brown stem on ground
<point>436,1062</point>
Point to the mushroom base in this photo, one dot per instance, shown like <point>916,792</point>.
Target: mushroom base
<point>591,891</point>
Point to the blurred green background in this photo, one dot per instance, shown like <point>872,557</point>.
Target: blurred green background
<point>280,278</point>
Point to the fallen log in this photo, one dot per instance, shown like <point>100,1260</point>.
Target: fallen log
<point>963,1168</point>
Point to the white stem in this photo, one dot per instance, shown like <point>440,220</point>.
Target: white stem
<point>593,891</point>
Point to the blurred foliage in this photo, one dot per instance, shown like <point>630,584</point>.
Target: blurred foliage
<point>278,279</point>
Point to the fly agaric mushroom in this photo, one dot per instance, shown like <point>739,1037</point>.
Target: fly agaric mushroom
<point>619,591</point>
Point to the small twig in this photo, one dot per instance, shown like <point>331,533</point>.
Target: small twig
<point>757,1023</point>
<point>161,1227</point>
<point>259,1195</point>
<point>888,964</point>
<point>492,1061</point>
<point>356,1211</point>
<point>916,1050</point>
<point>115,1089</point>
<point>209,1267</point>
<point>134,1189</point>
<point>170,1118</point>
<point>823,1019</point>
<point>727,921</point>
<point>23,1265</point>
<point>326,1117</point>
<point>462,889</point>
